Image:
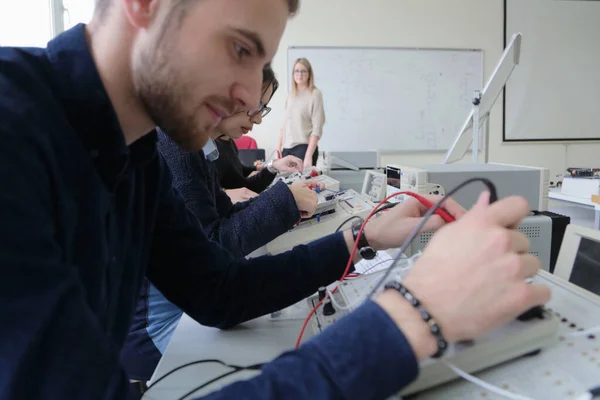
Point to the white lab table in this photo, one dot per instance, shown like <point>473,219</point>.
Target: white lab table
<point>581,210</point>
<point>559,372</point>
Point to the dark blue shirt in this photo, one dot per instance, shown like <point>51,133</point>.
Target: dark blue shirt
<point>84,218</point>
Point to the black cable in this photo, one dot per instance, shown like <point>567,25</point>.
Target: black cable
<point>348,220</point>
<point>493,197</point>
<point>235,367</point>
<point>226,374</point>
<point>387,206</point>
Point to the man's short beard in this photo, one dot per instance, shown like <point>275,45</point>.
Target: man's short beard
<point>165,99</point>
<point>164,102</point>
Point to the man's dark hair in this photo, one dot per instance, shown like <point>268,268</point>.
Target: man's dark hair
<point>270,79</point>
<point>102,6</point>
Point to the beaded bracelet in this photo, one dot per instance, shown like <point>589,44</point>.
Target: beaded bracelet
<point>442,345</point>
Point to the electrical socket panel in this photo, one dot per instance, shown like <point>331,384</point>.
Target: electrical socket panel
<point>374,186</point>
<point>512,341</point>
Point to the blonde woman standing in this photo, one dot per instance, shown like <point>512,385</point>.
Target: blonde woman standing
<point>304,116</point>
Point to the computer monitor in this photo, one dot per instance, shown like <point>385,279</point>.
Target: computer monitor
<point>488,97</point>
<point>579,258</point>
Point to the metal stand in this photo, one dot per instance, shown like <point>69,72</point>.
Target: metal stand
<point>476,101</point>
<point>476,128</point>
<point>483,102</point>
<point>486,138</point>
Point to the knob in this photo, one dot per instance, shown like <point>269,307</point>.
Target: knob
<point>321,292</point>
<point>328,307</point>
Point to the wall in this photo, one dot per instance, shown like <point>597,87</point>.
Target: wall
<point>415,23</point>
<point>560,56</point>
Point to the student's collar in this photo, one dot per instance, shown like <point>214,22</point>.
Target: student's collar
<point>211,152</point>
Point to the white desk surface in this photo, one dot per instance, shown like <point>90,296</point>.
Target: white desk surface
<point>581,210</point>
<point>555,194</point>
<point>560,372</point>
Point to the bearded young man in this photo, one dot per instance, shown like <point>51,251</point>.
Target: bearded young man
<point>87,211</point>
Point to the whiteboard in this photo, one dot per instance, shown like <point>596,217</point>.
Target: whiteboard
<point>392,99</point>
<point>554,93</point>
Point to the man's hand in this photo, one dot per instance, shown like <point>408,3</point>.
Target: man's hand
<point>392,228</point>
<point>288,164</point>
<point>471,277</point>
<point>306,199</point>
<point>241,194</point>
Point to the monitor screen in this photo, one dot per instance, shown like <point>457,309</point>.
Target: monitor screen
<point>393,177</point>
<point>586,268</point>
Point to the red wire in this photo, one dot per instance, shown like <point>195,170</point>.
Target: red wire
<point>442,213</point>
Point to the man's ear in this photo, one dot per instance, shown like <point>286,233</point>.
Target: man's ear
<point>141,12</point>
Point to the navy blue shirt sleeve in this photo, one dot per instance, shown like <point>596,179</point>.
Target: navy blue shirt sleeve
<point>253,224</point>
<point>246,170</point>
<point>363,356</point>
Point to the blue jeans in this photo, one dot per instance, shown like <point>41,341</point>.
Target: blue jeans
<point>153,324</point>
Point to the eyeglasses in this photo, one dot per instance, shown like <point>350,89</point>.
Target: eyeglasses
<point>300,71</point>
<point>262,109</point>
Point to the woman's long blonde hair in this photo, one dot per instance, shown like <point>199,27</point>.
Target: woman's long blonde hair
<point>311,79</point>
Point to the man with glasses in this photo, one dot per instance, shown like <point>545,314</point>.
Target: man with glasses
<point>241,228</point>
<point>232,173</point>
